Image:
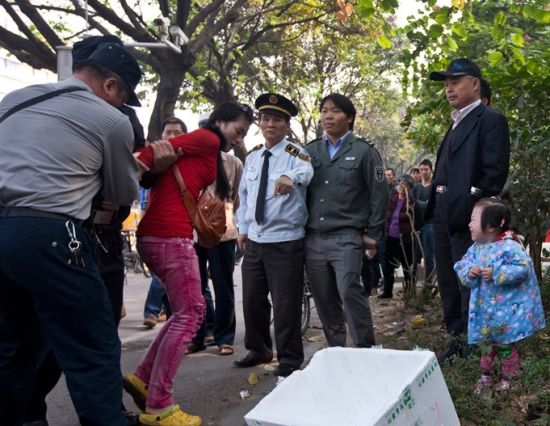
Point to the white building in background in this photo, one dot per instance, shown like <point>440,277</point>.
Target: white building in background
<point>15,75</point>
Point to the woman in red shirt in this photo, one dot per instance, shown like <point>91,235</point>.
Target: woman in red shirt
<point>165,243</point>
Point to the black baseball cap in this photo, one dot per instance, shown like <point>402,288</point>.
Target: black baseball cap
<point>82,49</point>
<point>274,103</point>
<point>457,68</point>
<point>114,57</point>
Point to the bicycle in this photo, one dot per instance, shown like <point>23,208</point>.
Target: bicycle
<point>307,306</point>
<point>132,260</point>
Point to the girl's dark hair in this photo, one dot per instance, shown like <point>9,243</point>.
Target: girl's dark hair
<point>495,214</point>
<point>226,112</point>
<point>343,103</point>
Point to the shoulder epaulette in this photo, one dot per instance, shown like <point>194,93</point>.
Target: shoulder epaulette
<point>296,151</point>
<point>314,140</point>
<point>366,140</point>
<point>257,147</point>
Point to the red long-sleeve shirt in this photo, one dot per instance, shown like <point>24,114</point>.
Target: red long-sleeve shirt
<point>166,215</point>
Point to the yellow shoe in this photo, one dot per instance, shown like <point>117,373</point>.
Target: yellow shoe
<point>174,416</point>
<point>137,388</point>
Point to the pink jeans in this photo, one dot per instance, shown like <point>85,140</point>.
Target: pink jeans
<point>175,262</point>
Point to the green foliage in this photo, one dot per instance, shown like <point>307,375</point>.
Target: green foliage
<point>509,41</point>
<point>528,402</point>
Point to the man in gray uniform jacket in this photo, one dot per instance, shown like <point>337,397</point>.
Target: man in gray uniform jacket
<point>347,202</point>
<point>59,143</point>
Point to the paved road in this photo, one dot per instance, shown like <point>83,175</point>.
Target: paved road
<point>207,384</point>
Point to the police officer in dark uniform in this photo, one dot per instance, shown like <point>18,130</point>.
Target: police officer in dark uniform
<point>472,162</point>
<point>347,201</point>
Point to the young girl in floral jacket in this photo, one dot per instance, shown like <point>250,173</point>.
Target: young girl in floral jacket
<point>505,301</point>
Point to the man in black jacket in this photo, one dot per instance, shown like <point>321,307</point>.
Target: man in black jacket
<point>472,162</point>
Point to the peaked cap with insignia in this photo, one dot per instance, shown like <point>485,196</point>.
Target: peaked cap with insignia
<point>276,104</point>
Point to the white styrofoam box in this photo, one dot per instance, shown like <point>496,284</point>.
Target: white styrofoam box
<point>360,387</point>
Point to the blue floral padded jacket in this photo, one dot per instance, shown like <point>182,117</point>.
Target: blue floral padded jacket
<point>508,308</point>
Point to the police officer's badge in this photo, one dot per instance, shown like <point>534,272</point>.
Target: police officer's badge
<point>273,99</point>
<point>379,174</point>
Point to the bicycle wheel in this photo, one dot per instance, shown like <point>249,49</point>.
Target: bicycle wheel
<point>306,313</point>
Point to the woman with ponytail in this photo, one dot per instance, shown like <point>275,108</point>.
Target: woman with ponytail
<point>165,243</point>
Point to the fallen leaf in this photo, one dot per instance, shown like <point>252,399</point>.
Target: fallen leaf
<point>253,379</point>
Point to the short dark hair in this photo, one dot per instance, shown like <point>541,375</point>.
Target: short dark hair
<point>342,102</point>
<point>495,214</point>
<point>391,169</point>
<point>485,90</point>
<point>174,120</point>
<point>415,170</point>
<point>426,162</point>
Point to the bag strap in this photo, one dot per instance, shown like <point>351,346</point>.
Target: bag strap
<point>188,200</point>
<point>37,99</point>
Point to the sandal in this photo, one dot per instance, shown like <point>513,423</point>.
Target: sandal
<point>225,349</point>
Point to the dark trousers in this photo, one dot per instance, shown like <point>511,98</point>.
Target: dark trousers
<point>334,269</point>
<point>49,371</point>
<point>67,307</point>
<point>398,252</point>
<point>220,261</point>
<point>454,296</point>
<point>276,269</point>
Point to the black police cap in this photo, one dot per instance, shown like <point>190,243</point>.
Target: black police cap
<point>458,68</point>
<point>276,104</point>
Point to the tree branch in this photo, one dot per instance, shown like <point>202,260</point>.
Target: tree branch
<point>202,15</point>
<point>110,16</point>
<point>210,31</point>
<point>41,25</point>
<point>26,51</point>
<point>182,13</point>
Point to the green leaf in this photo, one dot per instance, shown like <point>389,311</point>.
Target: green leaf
<point>442,16</point>
<point>384,41</point>
<point>518,39</point>
<point>365,8</point>
<point>495,58</point>
<point>435,31</point>
<point>517,55</point>
<point>539,15</point>
<point>390,5</point>
<point>500,18</point>
<point>452,44</point>
<point>460,30</point>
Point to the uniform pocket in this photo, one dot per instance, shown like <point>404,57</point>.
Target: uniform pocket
<point>348,173</point>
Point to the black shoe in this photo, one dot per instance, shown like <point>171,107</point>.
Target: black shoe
<point>385,296</point>
<point>453,351</point>
<point>251,359</point>
<point>284,370</point>
<point>131,417</point>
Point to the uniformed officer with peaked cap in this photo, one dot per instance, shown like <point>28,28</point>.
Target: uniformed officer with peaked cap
<point>271,221</point>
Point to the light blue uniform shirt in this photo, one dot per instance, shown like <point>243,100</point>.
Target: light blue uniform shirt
<point>333,148</point>
<point>285,215</point>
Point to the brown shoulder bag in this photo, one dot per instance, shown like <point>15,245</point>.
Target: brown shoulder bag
<point>207,214</point>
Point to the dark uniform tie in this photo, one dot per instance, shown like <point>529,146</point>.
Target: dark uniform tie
<point>260,201</point>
